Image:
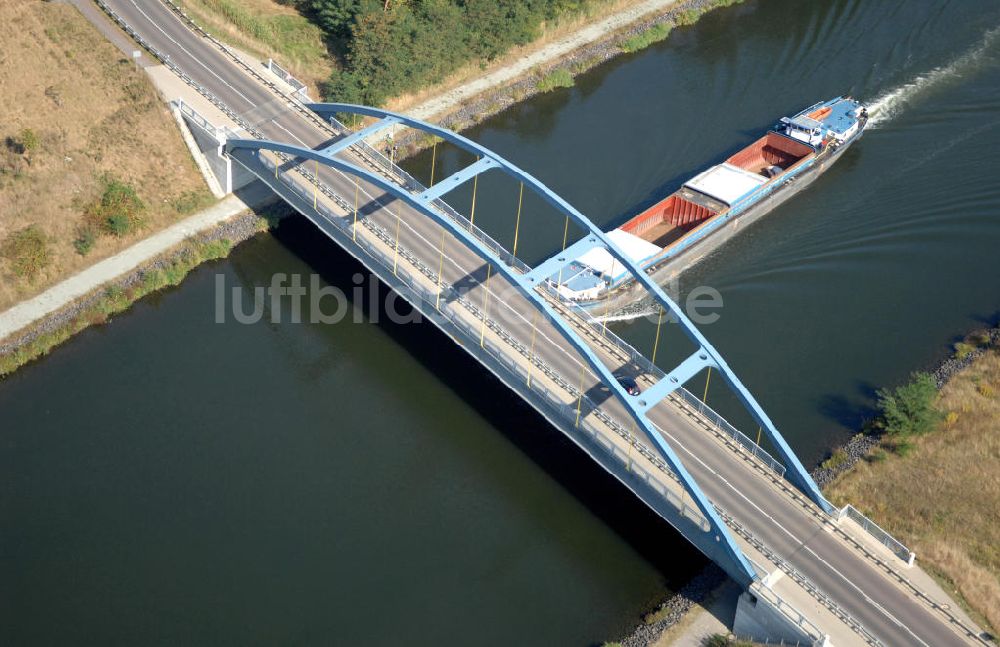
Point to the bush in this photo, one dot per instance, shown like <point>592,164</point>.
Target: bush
<point>118,211</point>
<point>963,350</point>
<point>555,79</point>
<point>644,39</point>
<point>687,17</point>
<point>191,201</point>
<point>878,456</point>
<point>28,140</point>
<point>836,459</point>
<point>85,240</point>
<point>27,251</point>
<point>909,409</point>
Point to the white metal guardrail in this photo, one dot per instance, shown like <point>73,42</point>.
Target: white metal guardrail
<point>297,86</point>
<point>729,430</point>
<point>786,609</point>
<point>205,124</point>
<point>879,534</point>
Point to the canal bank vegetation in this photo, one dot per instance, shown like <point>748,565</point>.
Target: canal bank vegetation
<point>86,134</point>
<point>98,307</point>
<point>934,480</point>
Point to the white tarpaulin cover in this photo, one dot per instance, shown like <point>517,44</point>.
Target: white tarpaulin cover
<point>637,249</point>
<point>726,182</point>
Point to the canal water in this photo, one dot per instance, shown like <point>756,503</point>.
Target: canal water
<point>170,479</point>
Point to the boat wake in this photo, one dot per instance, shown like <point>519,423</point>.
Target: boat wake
<point>889,104</point>
<point>627,316</point>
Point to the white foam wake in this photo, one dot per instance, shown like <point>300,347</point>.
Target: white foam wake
<point>626,316</point>
<point>889,104</point>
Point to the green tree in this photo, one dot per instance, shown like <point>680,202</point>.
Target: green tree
<point>336,17</point>
<point>909,409</point>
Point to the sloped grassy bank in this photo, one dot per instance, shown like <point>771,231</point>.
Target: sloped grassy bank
<point>928,469</point>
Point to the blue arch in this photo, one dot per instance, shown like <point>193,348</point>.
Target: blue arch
<point>733,560</point>
<point>795,472</point>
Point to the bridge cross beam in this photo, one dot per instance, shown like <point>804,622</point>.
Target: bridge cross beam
<point>698,360</point>
<point>457,179</point>
<point>350,140</point>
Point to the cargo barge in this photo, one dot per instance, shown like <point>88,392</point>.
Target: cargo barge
<point>709,209</point>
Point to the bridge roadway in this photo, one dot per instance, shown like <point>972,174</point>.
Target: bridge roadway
<point>789,526</point>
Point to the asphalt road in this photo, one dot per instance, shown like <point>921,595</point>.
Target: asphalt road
<point>893,615</point>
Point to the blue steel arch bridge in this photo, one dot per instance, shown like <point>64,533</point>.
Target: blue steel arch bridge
<point>814,574</point>
<point>679,456</point>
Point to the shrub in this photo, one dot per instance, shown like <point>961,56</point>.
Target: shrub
<point>27,251</point>
<point>878,456</point>
<point>985,390</point>
<point>190,201</point>
<point>84,241</point>
<point>963,350</point>
<point>28,140</point>
<point>722,640</point>
<point>687,17</point>
<point>118,211</point>
<point>909,409</point>
<point>951,418</point>
<point>837,458</point>
<point>555,79</point>
<point>644,39</point>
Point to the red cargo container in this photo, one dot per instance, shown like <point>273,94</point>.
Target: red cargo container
<point>667,219</point>
<point>770,150</point>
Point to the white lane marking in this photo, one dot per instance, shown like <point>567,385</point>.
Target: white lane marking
<point>192,56</point>
<point>801,543</point>
<point>274,120</point>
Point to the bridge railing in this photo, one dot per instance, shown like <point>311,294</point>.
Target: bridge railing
<point>298,87</point>
<point>880,535</point>
<point>729,430</point>
<point>786,609</point>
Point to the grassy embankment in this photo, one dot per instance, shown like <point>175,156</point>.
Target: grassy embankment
<point>938,489</point>
<point>90,159</point>
<point>267,29</point>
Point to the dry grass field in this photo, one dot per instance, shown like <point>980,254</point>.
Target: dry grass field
<point>943,498</point>
<point>89,114</point>
<point>267,29</point>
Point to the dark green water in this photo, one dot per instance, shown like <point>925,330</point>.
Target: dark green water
<point>167,479</point>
